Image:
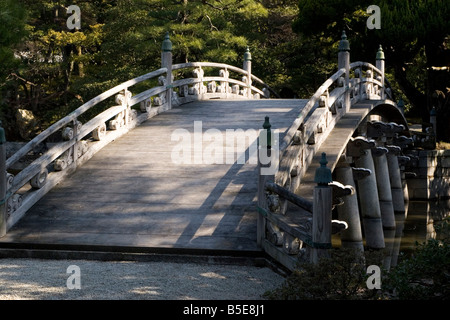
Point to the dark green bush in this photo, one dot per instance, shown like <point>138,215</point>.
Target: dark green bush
<point>424,275</point>
<point>341,276</point>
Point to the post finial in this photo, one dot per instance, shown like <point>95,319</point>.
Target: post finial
<point>267,126</point>
<point>380,53</point>
<point>247,55</point>
<point>323,174</point>
<point>344,45</point>
<point>166,44</point>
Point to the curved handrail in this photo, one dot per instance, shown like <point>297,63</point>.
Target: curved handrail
<point>222,66</point>
<point>357,64</point>
<point>76,113</point>
<point>310,117</point>
<point>215,65</point>
<point>319,92</point>
<point>133,100</point>
<point>62,158</point>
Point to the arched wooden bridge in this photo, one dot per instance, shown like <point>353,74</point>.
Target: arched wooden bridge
<point>179,166</point>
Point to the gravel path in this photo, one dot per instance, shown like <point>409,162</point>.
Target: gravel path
<point>48,279</point>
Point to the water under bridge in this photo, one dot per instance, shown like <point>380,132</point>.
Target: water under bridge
<point>178,167</point>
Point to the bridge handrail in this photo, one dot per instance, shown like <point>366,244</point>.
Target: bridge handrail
<point>216,65</point>
<point>357,64</point>
<point>57,160</point>
<point>319,92</point>
<point>311,116</point>
<point>307,108</point>
<point>133,100</point>
<point>189,81</point>
<point>72,151</point>
<point>283,234</point>
<point>79,111</point>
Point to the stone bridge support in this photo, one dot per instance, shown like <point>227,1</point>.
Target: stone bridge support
<point>371,164</point>
<point>360,150</point>
<point>349,211</point>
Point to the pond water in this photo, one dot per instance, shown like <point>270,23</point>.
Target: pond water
<point>421,220</point>
<point>415,227</point>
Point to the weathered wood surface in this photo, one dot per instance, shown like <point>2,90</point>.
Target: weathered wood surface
<point>131,193</point>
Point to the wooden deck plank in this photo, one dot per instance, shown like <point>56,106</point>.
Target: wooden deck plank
<point>132,194</point>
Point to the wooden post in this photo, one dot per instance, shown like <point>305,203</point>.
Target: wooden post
<point>344,62</point>
<point>380,65</point>
<point>248,67</point>
<point>166,62</point>
<point>264,151</point>
<point>3,184</point>
<point>322,206</point>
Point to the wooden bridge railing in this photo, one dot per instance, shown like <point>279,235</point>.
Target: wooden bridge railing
<point>278,232</point>
<point>354,82</point>
<point>39,165</point>
<point>28,180</point>
<point>221,86</point>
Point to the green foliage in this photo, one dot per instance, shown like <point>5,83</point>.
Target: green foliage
<point>59,69</point>
<point>415,37</point>
<point>12,30</point>
<point>341,276</point>
<point>199,30</point>
<point>425,275</point>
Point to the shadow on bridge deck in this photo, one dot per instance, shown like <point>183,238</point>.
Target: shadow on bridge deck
<point>131,194</point>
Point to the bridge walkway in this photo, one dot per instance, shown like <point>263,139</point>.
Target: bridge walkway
<point>132,194</point>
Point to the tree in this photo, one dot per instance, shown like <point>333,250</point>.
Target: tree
<point>414,35</point>
<point>52,59</point>
<point>199,30</point>
<point>12,30</point>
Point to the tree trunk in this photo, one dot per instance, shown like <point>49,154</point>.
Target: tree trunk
<point>80,63</point>
<point>438,81</point>
<point>417,99</point>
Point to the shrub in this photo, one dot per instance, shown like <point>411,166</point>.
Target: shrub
<point>424,275</point>
<point>341,276</point>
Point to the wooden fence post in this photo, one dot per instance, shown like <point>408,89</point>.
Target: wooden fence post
<point>166,62</point>
<point>344,62</point>
<point>264,149</point>
<point>322,206</point>
<point>380,65</point>
<point>248,67</point>
<point>3,184</point>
